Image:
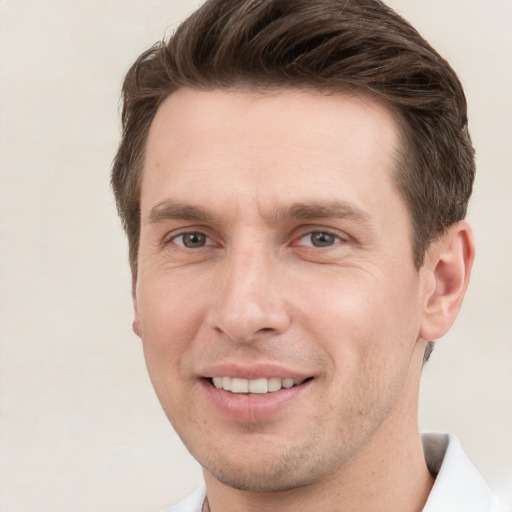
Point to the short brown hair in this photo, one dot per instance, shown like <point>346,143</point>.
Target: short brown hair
<point>331,45</point>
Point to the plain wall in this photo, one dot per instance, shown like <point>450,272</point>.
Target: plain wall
<point>80,427</point>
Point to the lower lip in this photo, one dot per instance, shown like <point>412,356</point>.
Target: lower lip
<point>252,407</point>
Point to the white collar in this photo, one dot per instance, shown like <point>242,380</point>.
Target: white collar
<point>458,486</point>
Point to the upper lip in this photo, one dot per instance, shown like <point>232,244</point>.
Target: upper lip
<point>252,371</point>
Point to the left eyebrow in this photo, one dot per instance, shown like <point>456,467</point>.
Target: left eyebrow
<point>330,210</point>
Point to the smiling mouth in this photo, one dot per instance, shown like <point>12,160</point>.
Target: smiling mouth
<point>259,386</point>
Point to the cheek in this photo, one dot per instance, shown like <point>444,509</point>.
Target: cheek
<point>169,318</point>
<point>169,322</point>
<point>167,309</point>
<point>363,320</point>
<point>368,336</point>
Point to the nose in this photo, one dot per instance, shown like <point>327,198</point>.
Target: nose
<point>250,303</point>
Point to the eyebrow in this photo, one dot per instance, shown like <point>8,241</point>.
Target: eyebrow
<point>172,210</point>
<point>328,210</point>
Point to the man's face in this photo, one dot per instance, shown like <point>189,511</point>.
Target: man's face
<point>275,249</point>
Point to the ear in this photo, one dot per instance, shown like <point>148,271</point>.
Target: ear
<point>448,266</point>
<point>136,321</point>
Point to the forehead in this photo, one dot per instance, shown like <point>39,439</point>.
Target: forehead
<point>289,113</point>
<point>284,146</point>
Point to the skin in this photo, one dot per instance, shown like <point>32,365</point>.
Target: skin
<point>260,178</point>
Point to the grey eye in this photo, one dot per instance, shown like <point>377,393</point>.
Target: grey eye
<point>192,240</point>
<point>319,239</point>
<point>322,239</point>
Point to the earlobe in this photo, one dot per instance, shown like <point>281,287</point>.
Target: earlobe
<point>136,325</point>
<point>449,263</point>
<point>136,322</point>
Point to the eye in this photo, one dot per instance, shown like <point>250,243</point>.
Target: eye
<point>319,239</point>
<point>192,240</point>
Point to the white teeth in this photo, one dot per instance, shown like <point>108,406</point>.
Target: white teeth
<point>255,386</point>
<point>274,384</point>
<point>258,386</point>
<point>239,385</point>
<point>226,383</point>
<point>288,383</point>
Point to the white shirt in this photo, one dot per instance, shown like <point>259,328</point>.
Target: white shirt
<point>458,486</point>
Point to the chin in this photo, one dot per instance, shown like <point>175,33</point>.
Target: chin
<point>268,481</point>
<point>274,470</point>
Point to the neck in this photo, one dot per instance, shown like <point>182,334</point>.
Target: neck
<point>388,474</point>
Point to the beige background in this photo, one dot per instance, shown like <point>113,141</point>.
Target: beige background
<point>80,428</point>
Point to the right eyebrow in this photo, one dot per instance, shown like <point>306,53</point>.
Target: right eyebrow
<point>171,210</point>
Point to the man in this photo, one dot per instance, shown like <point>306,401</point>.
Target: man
<point>293,179</point>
